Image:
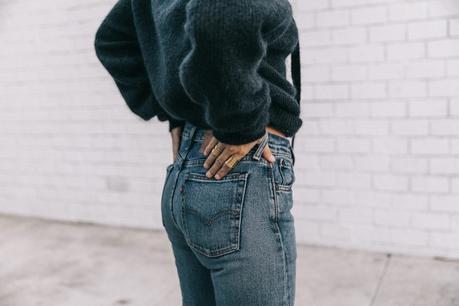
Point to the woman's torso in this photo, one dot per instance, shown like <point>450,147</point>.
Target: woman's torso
<point>164,45</point>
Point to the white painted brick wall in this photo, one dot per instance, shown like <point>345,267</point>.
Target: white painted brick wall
<point>377,158</point>
<point>70,148</point>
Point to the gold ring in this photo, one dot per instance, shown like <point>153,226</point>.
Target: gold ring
<point>231,161</point>
<point>217,150</point>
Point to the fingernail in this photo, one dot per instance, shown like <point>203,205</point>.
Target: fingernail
<point>272,159</point>
<point>208,174</point>
<point>217,177</point>
<point>206,166</point>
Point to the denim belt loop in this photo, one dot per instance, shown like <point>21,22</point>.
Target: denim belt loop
<point>261,146</point>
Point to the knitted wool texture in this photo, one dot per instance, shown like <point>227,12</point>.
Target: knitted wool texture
<point>218,64</point>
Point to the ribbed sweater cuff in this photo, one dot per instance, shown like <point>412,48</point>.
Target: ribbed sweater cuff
<point>288,123</point>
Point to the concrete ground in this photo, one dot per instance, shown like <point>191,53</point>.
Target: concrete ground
<point>46,263</point>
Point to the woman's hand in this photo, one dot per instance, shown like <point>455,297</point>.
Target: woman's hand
<point>176,135</point>
<point>223,157</point>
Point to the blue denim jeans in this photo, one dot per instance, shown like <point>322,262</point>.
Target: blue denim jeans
<point>233,239</point>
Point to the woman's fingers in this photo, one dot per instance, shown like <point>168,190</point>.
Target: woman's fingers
<point>225,169</point>
<point>268,155</point>
<point>212,156</point>
<point>212,143</point>
<point>218,163</point>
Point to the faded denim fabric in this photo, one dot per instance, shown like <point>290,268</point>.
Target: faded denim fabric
<point>233,239</point>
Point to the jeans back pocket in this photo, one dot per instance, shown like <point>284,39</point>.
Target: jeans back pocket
<point>212,212</point>
<point>284,175</point>
<point>284,178</point>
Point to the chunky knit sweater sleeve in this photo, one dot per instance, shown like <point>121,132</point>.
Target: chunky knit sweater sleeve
<point>221,69</point>
<point>117,48</point>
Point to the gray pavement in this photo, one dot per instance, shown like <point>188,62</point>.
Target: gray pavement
<point>44,263</point>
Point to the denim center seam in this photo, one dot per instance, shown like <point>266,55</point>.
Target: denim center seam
<point>188,134</point>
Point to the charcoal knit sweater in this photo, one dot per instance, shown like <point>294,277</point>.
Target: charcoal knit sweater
<point>218,64</point>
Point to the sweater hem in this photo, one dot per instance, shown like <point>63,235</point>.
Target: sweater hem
<point>238,138</point>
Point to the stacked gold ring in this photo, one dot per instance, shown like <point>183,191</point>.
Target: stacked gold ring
<point>217,150</point>
<point>231,162</point>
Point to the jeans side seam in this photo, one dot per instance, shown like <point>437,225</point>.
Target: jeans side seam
<point>281,241</point>
<point>284,264</point>
<point>272,189</point>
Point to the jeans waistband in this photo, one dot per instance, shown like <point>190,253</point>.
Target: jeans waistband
<point>279,145</point>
